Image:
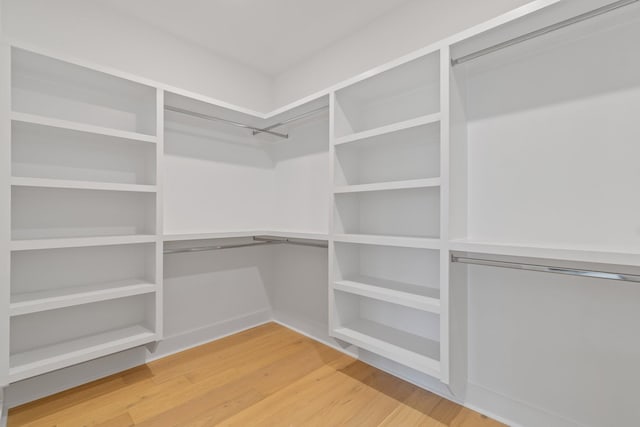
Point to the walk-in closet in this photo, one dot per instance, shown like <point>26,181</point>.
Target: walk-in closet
<point>320,213</point>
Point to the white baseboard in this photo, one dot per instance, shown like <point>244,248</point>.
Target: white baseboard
<point>195,337</point>
<point>511,411</point>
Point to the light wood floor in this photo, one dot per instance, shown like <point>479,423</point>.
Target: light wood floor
<point>265,376</point>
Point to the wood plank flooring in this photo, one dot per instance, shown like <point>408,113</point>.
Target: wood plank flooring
<point>265,376</point>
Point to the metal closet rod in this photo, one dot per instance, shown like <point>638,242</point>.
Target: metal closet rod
<point>548,269</point>
<point>292,119</point>
<point>257,241</point>
<point>256,130</point>
<point>546,30</point>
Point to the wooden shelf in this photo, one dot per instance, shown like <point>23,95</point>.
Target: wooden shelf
<point>45,359</point>
<point>79,242</point>
<point>401,241</point>
<point>34,302</point>
<point>405,294</point>
<point>577,253</point>
<point>80,185</point>
<point>408,349</point>
<point>395,127</point>
<point>392,185</point>
<point>80,127</point>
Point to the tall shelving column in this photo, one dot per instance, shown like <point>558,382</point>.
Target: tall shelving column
<point>5,217</point>
<point>84,244</point>
<point>388,285</point>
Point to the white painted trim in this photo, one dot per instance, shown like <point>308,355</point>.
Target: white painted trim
<point>196,337</point>
<point>480,399</point>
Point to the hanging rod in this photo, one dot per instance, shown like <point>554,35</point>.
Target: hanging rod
<point>257,241</point>
<point>548,269</point>
<point>219,119</point>
<point>546,30</point>
<point>292,119</point>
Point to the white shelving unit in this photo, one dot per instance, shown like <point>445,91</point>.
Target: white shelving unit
<point>86,278</point>
<point>388,264</point>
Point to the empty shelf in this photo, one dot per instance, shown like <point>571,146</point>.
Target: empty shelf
<point>45,359</point>
<point>80,185</point>
<point>408,349</point>
<point>395,127</point>
<point>391,185</point>
<point>408,295</point>
<point>34,302</point>
<point>401,241</point>
<point>80,127</point>
<point>79,242</point>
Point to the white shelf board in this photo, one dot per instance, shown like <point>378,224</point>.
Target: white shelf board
<point>80,127</point>
<point>578,253</point>
<point>79,242</point>
<point>80,185</point>
<point>34,302</point>
<point>405,294</point>
<point>400,241</point>
<point>171,237</point>
<point>178,237</point>
<point>395,127</point>
<point>305,235</point>
<point>391,185</point>
<point>45,359</point>
<point>408,349</point>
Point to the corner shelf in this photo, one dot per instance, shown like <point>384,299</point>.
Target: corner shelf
<point>408,349</point>
<point>395,127</point>
<point>57,356</point>
<point>79,242</point>
<point>405,294</point>
<point>80,127</point>
<point>400,241</point>
<point>391,185</point>
<point>34,302</point>
<point>80,185</point>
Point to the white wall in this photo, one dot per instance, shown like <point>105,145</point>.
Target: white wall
<point>89,31</point>
<point>411,27</point>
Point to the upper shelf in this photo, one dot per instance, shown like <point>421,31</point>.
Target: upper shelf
<point>39,120</point>
<point>391,185</point>
<point>386,100</point>
<point>91,100</point>
<point>80,185</point>
<point>391,128</point>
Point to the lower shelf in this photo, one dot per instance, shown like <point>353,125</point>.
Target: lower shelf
<point>408,295</point>
<point>45,359</point>
<point>34,302</point>
<point>411,350</point>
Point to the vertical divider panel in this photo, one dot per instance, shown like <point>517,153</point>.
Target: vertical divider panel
<point>445,309</point>
<point>5,211</point>
<point>159,257</point>
<point>453,279</point>
<point>331,241</point>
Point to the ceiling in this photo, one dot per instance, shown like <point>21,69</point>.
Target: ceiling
<point>268,35</point>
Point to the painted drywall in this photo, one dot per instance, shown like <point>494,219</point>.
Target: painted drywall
<point>408,28</point>
<point>91,32</point>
